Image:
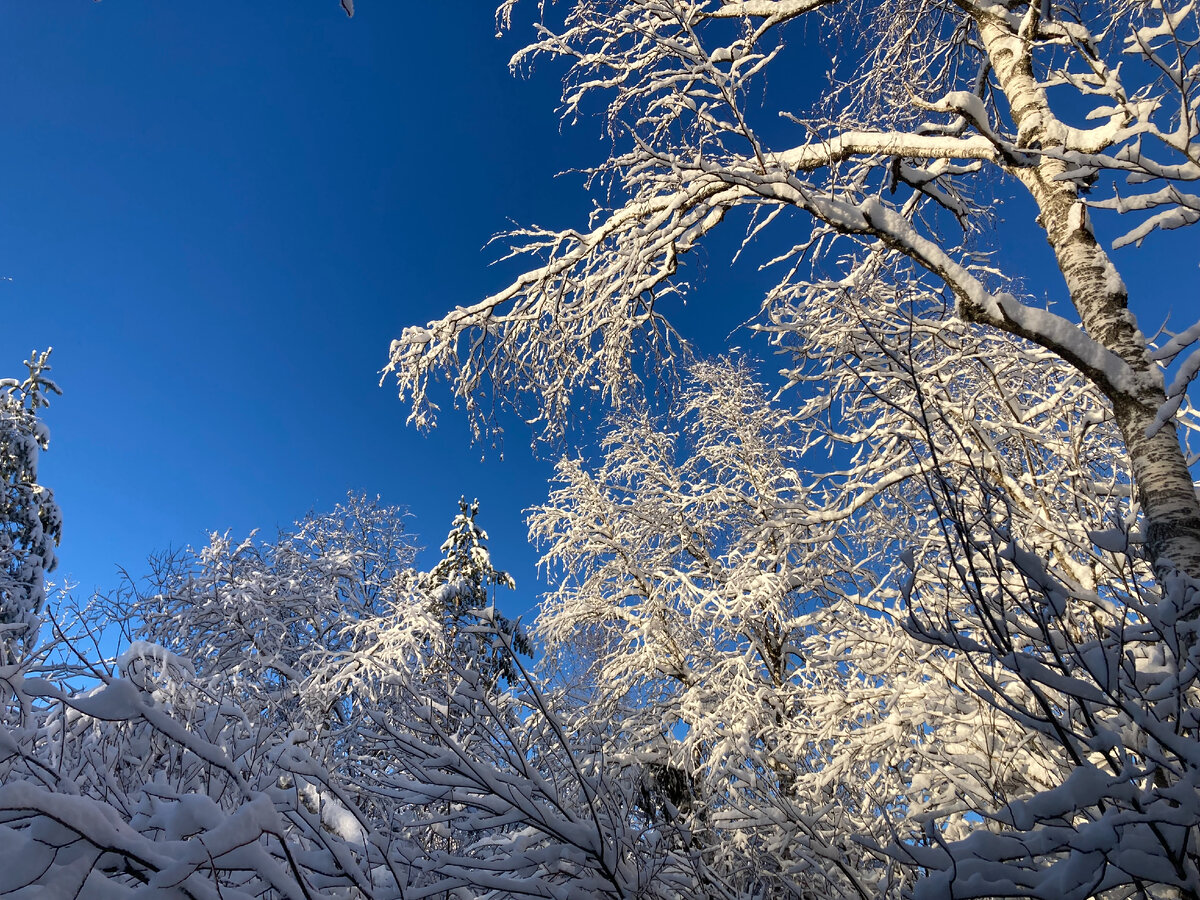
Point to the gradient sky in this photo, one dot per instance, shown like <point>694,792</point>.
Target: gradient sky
<point>221,214</point>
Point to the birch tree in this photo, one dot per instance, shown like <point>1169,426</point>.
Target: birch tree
<point>1020,493</point>
<point>935,110</point>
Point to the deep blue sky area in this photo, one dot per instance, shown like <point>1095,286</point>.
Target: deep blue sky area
<point>220,217</point>
<point>221,214</point>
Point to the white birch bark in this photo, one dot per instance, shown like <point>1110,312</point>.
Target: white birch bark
<point>1099,295</point>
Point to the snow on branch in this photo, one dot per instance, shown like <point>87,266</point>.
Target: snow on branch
<point>576,318</point>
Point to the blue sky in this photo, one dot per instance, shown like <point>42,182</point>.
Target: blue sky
<point>220,215</point>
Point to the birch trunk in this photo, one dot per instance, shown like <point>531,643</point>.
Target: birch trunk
<point>1164,484</point>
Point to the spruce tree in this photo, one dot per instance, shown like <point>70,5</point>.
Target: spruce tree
<point>30,520</point>
<point>461,588</point>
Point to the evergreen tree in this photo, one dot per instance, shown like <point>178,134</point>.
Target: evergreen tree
<point>461,588</point>
<point>30,520</point>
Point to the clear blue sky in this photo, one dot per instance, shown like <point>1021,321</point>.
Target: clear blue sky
<point>220,215</point>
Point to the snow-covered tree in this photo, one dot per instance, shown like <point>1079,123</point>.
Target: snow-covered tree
<point>272,621</point>
<point>268,727</point>
<point>935,111</point>
<point>224,767</point>
<point>1001,553</point>
<point>990,479</point>
<point>679,615</point>
<point>461,589</point>
<point>923,622</point>
<point>714,586</point>
<point>30,520</point>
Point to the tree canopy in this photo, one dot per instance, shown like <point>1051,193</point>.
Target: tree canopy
<point>914,616</point>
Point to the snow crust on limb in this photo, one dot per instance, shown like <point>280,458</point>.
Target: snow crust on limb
<point>940,110</point>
